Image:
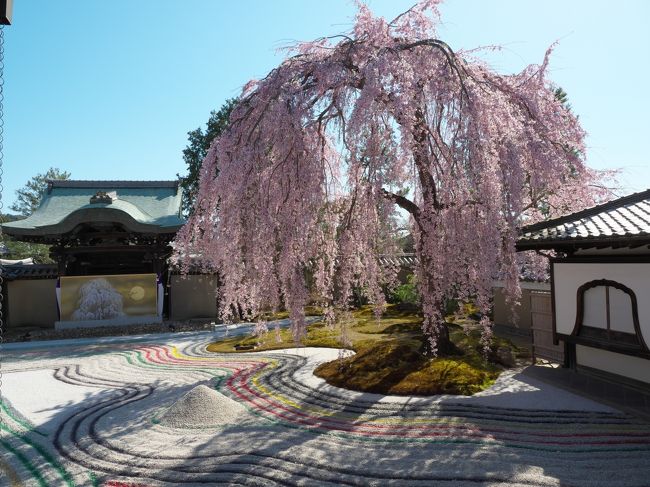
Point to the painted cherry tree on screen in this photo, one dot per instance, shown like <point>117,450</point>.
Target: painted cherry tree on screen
<point>322,152</point>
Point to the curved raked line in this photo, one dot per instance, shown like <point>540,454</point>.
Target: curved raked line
<point>265,393</point>
<point>284,409</point>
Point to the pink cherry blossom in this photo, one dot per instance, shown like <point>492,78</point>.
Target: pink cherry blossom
<point>323,151</point>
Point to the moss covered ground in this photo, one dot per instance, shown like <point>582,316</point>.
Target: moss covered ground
<point>391,354</point>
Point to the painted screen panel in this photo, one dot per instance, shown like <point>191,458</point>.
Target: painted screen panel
<point>107,297</point>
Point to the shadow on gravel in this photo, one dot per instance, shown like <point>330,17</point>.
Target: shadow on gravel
<point>298,435</point>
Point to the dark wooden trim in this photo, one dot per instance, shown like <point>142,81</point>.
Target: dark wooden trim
<point>617,285</point>
<point>554,326</point>
<point>6,8</point>
<point>609,346</point>
<point>570,358</point>
<point>164,249</point>
<point>573,244</point>
<point>603,335</point>
<point>604,259</point>
<point>571,340</point>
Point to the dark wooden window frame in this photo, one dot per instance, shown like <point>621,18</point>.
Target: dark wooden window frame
<point>607,339</point>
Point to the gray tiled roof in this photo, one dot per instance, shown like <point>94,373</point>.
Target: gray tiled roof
<point>29,271</point>
<point>151,206</point>
<point>89,183</point>
<point>624,221</point>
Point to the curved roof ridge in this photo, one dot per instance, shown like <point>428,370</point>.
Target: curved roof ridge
<point>116,183</point>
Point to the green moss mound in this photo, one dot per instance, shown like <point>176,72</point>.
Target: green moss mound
<point>399,368</point>
<point>390,354</point>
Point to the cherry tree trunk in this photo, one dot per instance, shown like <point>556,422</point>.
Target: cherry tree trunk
<point>429,277</point>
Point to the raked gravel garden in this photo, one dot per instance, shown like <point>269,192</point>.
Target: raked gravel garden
<point>171,413</point>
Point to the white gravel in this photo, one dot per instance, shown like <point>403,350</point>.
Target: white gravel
<point>149,414</point>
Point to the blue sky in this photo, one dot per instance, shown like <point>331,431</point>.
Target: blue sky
<point>109,89</point>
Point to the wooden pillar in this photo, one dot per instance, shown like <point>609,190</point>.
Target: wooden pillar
<point>58,255</point>
<point>570,359</point>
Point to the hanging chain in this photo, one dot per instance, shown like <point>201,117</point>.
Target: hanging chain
<point>2,82</point>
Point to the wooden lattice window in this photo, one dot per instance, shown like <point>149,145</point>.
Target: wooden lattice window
<point>607,314</point>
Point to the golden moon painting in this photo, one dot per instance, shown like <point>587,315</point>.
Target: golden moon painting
<point>136,293</point>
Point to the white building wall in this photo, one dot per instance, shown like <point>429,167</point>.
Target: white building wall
<point>615,363</point>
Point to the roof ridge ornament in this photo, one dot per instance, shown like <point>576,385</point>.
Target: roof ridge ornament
<point>102,197</point>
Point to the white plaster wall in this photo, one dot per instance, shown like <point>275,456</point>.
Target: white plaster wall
<point>568,277</point>
<point>31,302</point>
<point>614,363</point>
<point>193,296</point>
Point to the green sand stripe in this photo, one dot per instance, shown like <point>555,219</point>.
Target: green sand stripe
<point>93,478</point>
<point>44,453</point>
<point>26,463</point>
<point>602,429</point>
<point>23,423</point>
<point>316,430</point>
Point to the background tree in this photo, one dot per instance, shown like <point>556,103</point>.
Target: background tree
<point>563,97</point>
<point>24,250</point>
<point>197,149</point>
<point>320,152</point>
<point>29,196</point>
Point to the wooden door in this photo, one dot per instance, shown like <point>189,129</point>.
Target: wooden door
<point>541,311</point>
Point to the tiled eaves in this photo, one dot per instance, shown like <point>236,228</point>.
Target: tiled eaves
<point>11,272</point>
<point>615,221</point>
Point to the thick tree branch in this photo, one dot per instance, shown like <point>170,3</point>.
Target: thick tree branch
<point>402,202</point>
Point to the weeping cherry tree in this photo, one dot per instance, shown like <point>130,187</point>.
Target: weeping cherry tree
<point>348,130</point>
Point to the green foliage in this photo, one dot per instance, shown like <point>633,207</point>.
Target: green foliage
<point>28,198</point>
<point>451,306</point>
<point>197,148</point>
<point>562,97</point>
<point>23,250</point>
<point>407,293</point>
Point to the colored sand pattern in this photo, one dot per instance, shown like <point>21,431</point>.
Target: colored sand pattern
<point>272,423</point>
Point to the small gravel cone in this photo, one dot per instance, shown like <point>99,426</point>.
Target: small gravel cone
<point>201,407</point>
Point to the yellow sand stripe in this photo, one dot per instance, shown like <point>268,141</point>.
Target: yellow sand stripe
<point>272,363</point>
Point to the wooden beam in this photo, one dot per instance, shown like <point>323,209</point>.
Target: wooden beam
<point>106,249</point>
